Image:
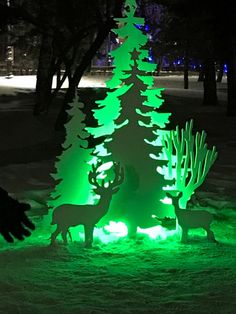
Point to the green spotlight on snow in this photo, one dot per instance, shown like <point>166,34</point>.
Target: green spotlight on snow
<point>113,231</point>
<point>154,232</point>
<point>117,228</point>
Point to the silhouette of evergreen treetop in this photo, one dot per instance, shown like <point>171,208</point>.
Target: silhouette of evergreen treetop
<point>133,39</point>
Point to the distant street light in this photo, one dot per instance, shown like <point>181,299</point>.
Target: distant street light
<point>9,50</point>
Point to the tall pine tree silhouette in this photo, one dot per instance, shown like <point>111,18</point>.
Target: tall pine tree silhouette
<point>130,120</point>
<point>133,142</point>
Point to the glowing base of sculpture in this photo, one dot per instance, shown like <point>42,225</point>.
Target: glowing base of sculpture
<point>117,230</point>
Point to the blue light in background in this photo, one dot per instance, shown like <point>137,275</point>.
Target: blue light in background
<point>225,68</point>
<point>146,28</point>
<point>150,55</point>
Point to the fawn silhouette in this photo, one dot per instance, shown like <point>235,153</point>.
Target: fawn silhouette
<point>189,219</point>
<point>69,215</point>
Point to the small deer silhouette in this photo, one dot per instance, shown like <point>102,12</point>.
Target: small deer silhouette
<point>70,215</point>
<point>189,219</point>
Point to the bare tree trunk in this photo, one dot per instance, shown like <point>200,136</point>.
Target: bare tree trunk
<point>85,62</point>
<point>186,66</point>
<point>159,65</point>
<point>44,75</point>
<point>220,72</point>
<point>231,79</point>
<point>201,74</point>
<point>209,84</point>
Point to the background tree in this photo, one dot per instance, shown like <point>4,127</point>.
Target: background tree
<point>190,25</point>
<point>81,37</point>
<point>209,26</point>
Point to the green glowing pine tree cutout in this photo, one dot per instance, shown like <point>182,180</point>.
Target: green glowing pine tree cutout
<point>132,143</point>
<point>189,160</point>
<point>130,120</point>
<point>73,165</point>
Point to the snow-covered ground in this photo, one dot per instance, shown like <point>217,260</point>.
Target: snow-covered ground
<point>29,82</point>
<point>124,276</point>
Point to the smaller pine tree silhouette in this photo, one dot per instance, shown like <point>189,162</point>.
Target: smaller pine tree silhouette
<point>74,163</point>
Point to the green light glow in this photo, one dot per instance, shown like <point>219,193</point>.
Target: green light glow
<point>116,230</point>
<point>167,200</point>
<point>157,233</point>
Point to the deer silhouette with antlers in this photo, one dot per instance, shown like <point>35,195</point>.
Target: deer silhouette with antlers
<point>189,219</point>
<point>70,215</point>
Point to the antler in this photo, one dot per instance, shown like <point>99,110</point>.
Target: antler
<point>111,185</point>
<point>192,159</point>
<point>94,173</point>
<point>119,176</point>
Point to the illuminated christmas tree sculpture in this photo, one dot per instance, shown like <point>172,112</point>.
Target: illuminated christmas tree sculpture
<point>129,119</point>
<point>147,160</point>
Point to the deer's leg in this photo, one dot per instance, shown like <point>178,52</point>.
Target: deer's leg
<point>64,236</point>
<point>88,233</point>
<point>210,235</point>
<point>55,234</point>
<point>184,237</point>
<point>70,236</point>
